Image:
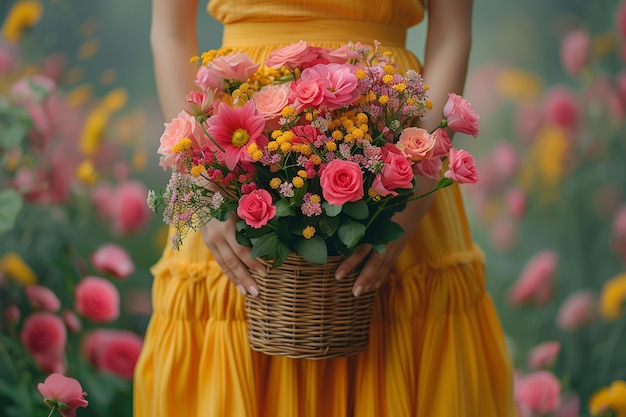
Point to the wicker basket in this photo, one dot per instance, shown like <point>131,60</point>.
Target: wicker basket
<point>303,312</point>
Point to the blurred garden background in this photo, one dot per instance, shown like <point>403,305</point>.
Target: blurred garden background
<point>79,128</point>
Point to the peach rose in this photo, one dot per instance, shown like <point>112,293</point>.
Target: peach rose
<point>416,143</point>
<point>97,299</point>
<point>182,126</point>
<point>342,181</point>
<point>256,208</point>
<point>291,56</point>
<point>271,99</point>
<point>237,67</point>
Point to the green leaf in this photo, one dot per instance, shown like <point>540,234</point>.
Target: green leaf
<point>357,210</point>
<point>445,182</point>
<point>242,239</point>
<point>328,225</point>
<point>14,124</point>
<point>10,207</point>
<point>283,208</point>
<point>351,232</point>
<point>331,210</point>
<point>313,250</point>
<point>265,246</point>
<point>281,254</point>
<point>381,234</point>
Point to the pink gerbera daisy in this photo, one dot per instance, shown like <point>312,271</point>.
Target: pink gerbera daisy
<point>234,129</point>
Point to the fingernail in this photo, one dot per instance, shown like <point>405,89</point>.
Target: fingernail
<point>339,275</point>
<point>357,291</point>
<point>241,289</point>
<point>253,291</point>
<point>262,272</point>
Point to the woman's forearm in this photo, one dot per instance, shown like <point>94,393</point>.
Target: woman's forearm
<point>174,41</point>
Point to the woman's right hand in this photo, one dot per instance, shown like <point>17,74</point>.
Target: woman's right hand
<point>233,258</point>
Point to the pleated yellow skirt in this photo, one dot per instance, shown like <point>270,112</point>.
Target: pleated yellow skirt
<point>436,345</point>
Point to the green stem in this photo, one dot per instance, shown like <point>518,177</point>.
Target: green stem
<point>611,345</point>
<point>206,132</point>
<point>51,411</point>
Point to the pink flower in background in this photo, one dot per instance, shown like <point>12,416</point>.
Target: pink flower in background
<point>528,120</point>
<point>54,67</point>
<point>8,59</point>
<point>44,336</point>
<point>12,314</point>
<point>505,159</point>
<point>341,182</point>
<point>115,351</point>
<point>577,310</point>
<point>515,201</point>
<point>138,301</point>
<point>233,67</point>
<point>561,107</point>
<point>620,19</point>
<point>543,355</point>
<point>234,130</point>
<point>537,393</point>
<point>503,234</point>
<point>569,407</point>
<point>460,115</point>
<point>417,143</point>
<point>72,322</point>
<point>462,168</point>
<point>535,282</point>
<point>102,197</point>
<point>42,298</point>
<point>575,51</point>
<point>33,89</point>
<point>291,56</point>
<point>63,393</point>
<point>114,259</point>
<point>129,211</point>
<point>256,208</point>
<point>97,299</point>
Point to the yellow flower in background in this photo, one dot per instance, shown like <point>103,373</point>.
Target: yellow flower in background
<point>139,160</point>
<point>545,166</point>
<point>79,95</point>
<point>14,267</point>
<point>516,84</point>
<point>608,398</point>
<point>23,15</point>
<point>115,99</point>
<point>88,49</point>
<point>613,297</point>
<point>93,130</point>
<point>86,172</point>
<point>604,44</point>
<point>107,77</point>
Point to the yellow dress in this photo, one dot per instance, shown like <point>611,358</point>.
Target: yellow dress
<point>436,345</point>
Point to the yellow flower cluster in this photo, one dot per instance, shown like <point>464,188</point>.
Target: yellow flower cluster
<point>244,93</point>
<point>182,145</point>
<point>350,127</point>
<point>210,55</point>
<point>308,232</point>
<point>196,170</point>
<point>608,398</point>
<point>23,15</point>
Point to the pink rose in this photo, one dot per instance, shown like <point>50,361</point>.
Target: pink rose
<point>42,298</point>
<point>114,351</point>
<point>575,51</point>
<point>270,100</point>
<point>256,208</point>
<point>63,393</point>
<point>114,259</point>
<point>44,336</point>
<point>416,143</point>
<point>198,103</point>
<point>307,93</point>
<point>72,322</point>
<point>462,168</point>
<point>430,168</point>
<point>505,159</point>
<point>443,143</point>
<point>561,107</point>
<point>291,56</point>
<point>206,80</point>
<point>535,281</point>
<point>460,115</point>
<point>339,84</point>
<point>237,67</point>
<point>129,210</point>
<point>577,310</point>
<point>543,355</point>
<point>538,392</point>
<point>396,173</point>
<point>182,126</point>
<point>97,299</point>
<point>342,181</point>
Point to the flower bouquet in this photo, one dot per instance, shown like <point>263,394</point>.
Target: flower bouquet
<point>314,152</point>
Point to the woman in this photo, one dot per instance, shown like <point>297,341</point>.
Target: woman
<point>436,346</point>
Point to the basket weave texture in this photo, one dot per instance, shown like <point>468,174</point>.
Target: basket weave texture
<point>303,312</point>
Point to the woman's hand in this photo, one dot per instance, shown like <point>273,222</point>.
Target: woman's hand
<point>233,258</point>
<point>378,265</point>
